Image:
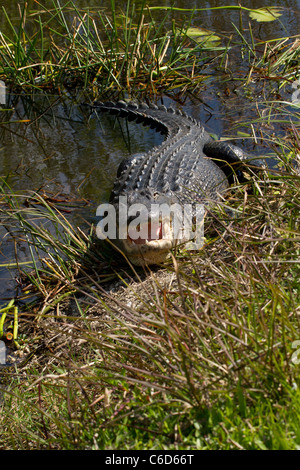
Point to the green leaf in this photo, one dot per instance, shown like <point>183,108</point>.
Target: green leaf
<point>202,35</point>
<point>244,134</point>
<point>265,14</point>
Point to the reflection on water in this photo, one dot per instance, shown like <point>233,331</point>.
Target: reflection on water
<point>217,20</point>
<point>48,142</point>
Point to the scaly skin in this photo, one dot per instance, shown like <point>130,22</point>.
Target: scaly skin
<point>189,167</point>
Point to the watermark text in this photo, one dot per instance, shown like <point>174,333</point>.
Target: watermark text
<point>183,223</point>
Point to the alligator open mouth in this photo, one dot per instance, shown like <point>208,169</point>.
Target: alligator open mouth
<point>148,232</point>
<point>152,246</point>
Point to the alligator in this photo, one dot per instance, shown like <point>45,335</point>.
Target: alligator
<point>189,167</point>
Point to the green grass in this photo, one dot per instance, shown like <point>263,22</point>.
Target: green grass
<point>200,354</point>
<point>149,422</point>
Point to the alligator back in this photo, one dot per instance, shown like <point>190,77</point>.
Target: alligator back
<point>179,166</point>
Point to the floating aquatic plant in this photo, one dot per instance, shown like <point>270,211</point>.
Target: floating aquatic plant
<point>265,14</point>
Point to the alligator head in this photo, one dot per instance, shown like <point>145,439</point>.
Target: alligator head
<point>146,225</point>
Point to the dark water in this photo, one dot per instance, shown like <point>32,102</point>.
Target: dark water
<point>64,154</point>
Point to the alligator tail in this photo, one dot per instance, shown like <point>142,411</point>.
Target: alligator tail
<point>167,121</point>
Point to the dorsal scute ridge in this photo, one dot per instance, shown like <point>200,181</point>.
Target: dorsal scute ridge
<point>171,110</point>
<point>172,123</point>
<point>121,104</point>
<point>140,111</point>
<point>143,105</point>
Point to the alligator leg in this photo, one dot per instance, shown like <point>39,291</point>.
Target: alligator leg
<point>231,154</point>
